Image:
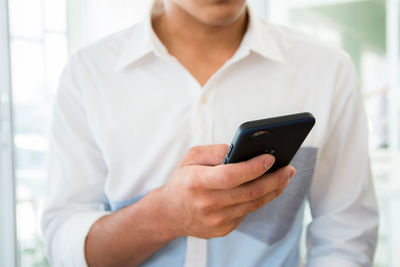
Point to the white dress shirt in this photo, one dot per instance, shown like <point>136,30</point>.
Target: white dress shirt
<point>127,111</point>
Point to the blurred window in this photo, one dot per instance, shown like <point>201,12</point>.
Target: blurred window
<point>7,210</point>
<point>38,33</point>
<point>369,31</point>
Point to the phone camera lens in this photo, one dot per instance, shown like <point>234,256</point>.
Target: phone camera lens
<point>259,134</point>
<point>269,151</point>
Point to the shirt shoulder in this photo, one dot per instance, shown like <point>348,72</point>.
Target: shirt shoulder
<point>104,53</point>
<point>320,70</point>
<point>324,66</point>
<point>298,47</point>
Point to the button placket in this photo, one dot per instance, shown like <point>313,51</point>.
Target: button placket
<point>196,248</point>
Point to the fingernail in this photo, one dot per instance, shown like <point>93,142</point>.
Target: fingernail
<point>292,172</point>
<point>269,162</point>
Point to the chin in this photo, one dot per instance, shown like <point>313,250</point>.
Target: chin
<point>221,19</point>
<point>220,13</point>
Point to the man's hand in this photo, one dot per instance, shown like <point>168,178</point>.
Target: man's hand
<point>202,198</point>
<point>206,199</point>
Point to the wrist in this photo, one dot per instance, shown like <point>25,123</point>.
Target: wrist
<point>167,224</point>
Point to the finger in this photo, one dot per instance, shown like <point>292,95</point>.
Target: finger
<point>210,155</point>
<point>235,174</point>
<point>242,209</point>
<point>256,188</point>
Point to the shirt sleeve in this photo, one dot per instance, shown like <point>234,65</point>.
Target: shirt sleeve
<point>75,196</point>
<point>343,231</point>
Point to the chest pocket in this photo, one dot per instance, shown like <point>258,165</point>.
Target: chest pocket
<point>273,221</point>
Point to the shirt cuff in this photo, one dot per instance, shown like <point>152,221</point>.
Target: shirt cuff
<point>68,246</point>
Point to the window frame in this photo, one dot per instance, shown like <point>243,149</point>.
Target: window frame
<point>393,58</point>
<point>8,240</point>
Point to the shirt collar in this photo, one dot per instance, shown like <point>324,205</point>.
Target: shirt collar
<point>143,40</point>
<point>260,39</point>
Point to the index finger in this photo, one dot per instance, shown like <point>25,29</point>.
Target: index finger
<point>235,174</point>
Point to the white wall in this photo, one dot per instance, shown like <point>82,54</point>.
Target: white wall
<point>90,20</point>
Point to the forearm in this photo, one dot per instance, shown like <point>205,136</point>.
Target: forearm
<point>129,236</point>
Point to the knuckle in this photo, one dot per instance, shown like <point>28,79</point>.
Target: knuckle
<point>217,221</point>
<point>194,151</point>
<point>203,206</point>
<point>253,192</point>
<point>191,183</point>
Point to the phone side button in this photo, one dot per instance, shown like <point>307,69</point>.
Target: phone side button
<point>229,151</point>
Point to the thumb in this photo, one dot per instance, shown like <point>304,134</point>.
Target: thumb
<point>210,155</point>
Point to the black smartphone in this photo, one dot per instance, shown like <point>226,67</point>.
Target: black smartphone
<point>279,136</point>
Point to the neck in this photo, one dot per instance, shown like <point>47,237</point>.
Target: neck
<point>177,29</point>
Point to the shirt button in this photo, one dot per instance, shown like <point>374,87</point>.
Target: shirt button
<point>203,99</point>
